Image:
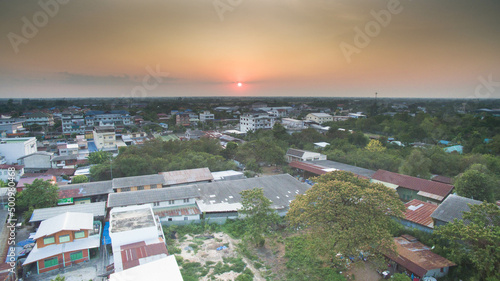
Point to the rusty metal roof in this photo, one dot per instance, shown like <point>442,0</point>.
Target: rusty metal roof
<point>420,212</point>
<point>187,176</point>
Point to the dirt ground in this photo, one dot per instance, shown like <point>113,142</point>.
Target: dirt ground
<point>363,271</point>
<point>208,252</point>
<point>273,170</point>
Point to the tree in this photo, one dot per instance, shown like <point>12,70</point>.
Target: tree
<point>375,146</point>
<point>346,214</point>
<point>79,179</point>
<point>476,184</point>
<point>39,194</point>
<point>99,157</point>
<point>400,277</point>
<point>230,151</point>
<point>259,214</point>
<point>416,165</point>
<point>476,238</point>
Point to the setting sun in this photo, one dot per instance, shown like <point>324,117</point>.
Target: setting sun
<point>239,84</point>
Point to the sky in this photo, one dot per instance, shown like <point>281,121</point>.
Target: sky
<point>181,48</point>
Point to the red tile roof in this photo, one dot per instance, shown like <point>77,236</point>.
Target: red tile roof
<point>131,253</point>
<point>414,183</point>
<point>442,179</point>
<point>417,257</point>
<point>420,212</point>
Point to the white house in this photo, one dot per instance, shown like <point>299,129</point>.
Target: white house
<point>319,118</point>
<point>302,155</point>
<point>206,116</point>
<point>11,171</point>
<point>37,161</point>
<point>72,123</point>
<point>14,148</point>
<point>255,121</point>
<point>39,118</point>
<point>356,115</point>
<point>105,138</point>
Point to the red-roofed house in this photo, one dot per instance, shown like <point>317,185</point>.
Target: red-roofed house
<point>418,215</point>
<point>417,258</point>
<point>21,185</point>
<point>410,188</point>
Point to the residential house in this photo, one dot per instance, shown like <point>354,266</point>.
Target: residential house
<point>8,172</point>
<point>68,149</point>
<point>137,237</point>
<point>320,167</point>
<point>356,115</point>
<point>293,125</point>
<point>36,162</point>
<point>105,138</point>
<point>39,118</point>
<point>115,118</point>
<point>182,119</point>
<point>303,155</point>
<point>73,123</point>
<point>64,161</point>
<point>14,148</point>
<point>12,128</point>
<point>21,184</point>
<point>410,188</point>
<point>159,270</point>
<point>206,116</point>
<point>319,118</point>
<point>228,175</point>
<point>414,257</point>
<point>194,134</point>
<point>169,204</point>
<point>418,215</point>
<point>137,183</point>
<point>189,176</point>
<point>85,193</point>
<point>255,120</point>
<point>452,208</point>
<point>64,240</point>
<point>98,211</point>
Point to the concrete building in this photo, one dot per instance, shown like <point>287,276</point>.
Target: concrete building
<point>36,162</point>
<point>14,148</point>
<point>453,207</point>
<point>105,138</point>
<point>255,121</point>
<point>194,134</point>
<point>116,118</point>
<point>206,116</point>
<point>12,128</point>
<point>39,118</point>
<point>319,118</point>
<point>356,115</point>
<point>73,123</point>
<point>302,155</point>
<point>182,119</point>
<point>11,171</point>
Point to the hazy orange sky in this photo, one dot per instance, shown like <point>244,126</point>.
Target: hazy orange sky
<point>106,48</point>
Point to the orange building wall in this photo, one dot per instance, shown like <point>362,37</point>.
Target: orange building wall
<point>67,261</point>
<point>40,244</point>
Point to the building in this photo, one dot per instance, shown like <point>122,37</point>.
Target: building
<point>64,161</point>
<point>169,204</point>
<point>206,116</point>
<point>85,193</point>
<point>136,237</point>
<point>36,162</point>
<point>418,215</point>
<point>115,118</point>
<point>302,155</point>
<point>410,188</point>
<point>452,208</point>
<point>73,123</point>
<point>255,121</point>
<point>11,172</point>
<point>105,138</point>
<point>356,115</point>
<point>14,148</point>
<point>190,176</point>
<point>68,149</point>
<point>293,124</point>
<point>158,270</point>
<point>64,240</point>
<point>12,128</point>
<point>39,118</point>
<point>417,258</point>
<point>21,184</point>
<point>137,183</point>
<point>194,134</point>
<point>228,175</point>
<point>316,168</point>
<point>319,118</point>
<point>98,211</point>
<point>182,119</point>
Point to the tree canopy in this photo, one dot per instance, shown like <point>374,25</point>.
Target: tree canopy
<point>39,194</point>
<point>477,183</point>
<point>345,214</point>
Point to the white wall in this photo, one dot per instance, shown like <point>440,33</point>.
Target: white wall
<point>12,150</point>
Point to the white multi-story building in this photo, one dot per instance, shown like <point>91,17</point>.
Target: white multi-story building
<point>104,118</point>
<point>206,116</point>
<point>105,138</point>
<point>319,118</point>
<point>39,118</point>
<point>14,148</point>
<point>72,123</point>
<point>255,121</point>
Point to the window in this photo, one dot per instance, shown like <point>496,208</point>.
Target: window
<point>76,256</point>
<point>156,204</point>
<point>185,218</point>
<point>169,219</point>
<point>186,200</point>
<point>140,187</point>
<point>125,189</point>
<point>171,202</point>
<point>50,262</point>
<point>64,238</point>
<point>49,240</point>
<point>79,234</point>
<point>153,186</point>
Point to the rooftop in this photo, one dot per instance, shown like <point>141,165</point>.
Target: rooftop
<point>131,219</point>
<point>187,176</point>
<point>150,196</point>
<point>320,167</point>
<point>97,209</point>
<point>420,212</point>
<point>65,221</point>
<point>453,207</point>
<point>137,181</point>
<point>85,189</point>
<point>153,271</point>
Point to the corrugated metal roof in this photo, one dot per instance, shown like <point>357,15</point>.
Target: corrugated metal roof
<point>149,196</point>
<point>417,257</point>
<point>295,152</point>
<point>97,209</point>
<point>187,176</point>
<point>85,189</point>
<point>453,207</point>
<point>66,221</point>
<point>345,167</point>
<point>137,181</point>
<point>153,271</point>
<point>414,183</point>
<point>132,253</point>
<point>420,212</point>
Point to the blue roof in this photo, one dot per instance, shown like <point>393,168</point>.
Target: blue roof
<point>106,239</point>
<point>445,142</point>
<point>455,148</point>
<point>92,146</point>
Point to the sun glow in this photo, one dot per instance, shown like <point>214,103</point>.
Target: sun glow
<point>240,84</point>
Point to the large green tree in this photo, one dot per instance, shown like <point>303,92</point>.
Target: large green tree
<point>99,157</point>
<point>259,216</point>
<point>39,194</point>
<point>476,239</point>
<point>79,179</point>
<point>476,183</point>
<point>345,214</point>
<point>416,165</point>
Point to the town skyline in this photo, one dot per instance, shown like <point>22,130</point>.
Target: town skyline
<point>399,49</point>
